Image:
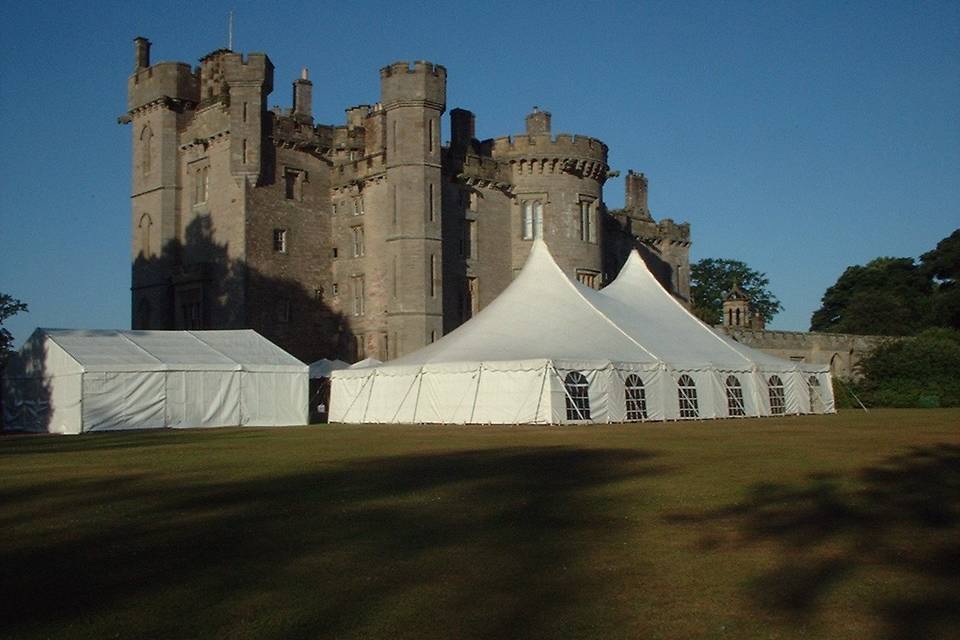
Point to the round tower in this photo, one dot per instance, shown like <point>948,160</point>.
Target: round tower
<point>557,195</point>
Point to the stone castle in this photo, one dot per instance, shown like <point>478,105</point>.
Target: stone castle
<point>369,238</point>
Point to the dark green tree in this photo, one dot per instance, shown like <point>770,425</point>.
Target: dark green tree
<point>942,265</point>
<point>913,372</point>
<point>9,307</point>
<point>712,278</point>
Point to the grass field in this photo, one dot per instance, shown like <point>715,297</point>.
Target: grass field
<point>841,526</point>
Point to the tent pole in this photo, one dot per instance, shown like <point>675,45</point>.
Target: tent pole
<point>416,402</point>
<point>567,393</point>
<point>543,383</point>
<point>352,402</point>
<point>476,393</point>
<point>366,407</point>
<point>853,395</point>
<point>402,400</point>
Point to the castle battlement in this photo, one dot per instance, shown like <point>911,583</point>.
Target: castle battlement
<point>538,145</point>
<point>174,80</point>
<point>403,84</point>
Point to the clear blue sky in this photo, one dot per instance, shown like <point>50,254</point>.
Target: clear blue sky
<point>798,137</point>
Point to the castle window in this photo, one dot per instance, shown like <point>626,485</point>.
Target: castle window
<point>532,219</point>
<point>280,240</point>
<point>474,201</point>
<point>734,396</point>
<point>244,151</point>
<point>777,400</point>
<point>358,247</point>
<point>468,245</point>
<point>358,305</point>
<point>636,398</point>
<point>433,275</point>
<point>578,396</point>
<point>145,223</point>
<point>358,206</point>
<point>736,315</point>
<point>430,205</point>
<point>687,396</point>
<point>201,184</point>
<point>293,180</point>
<point>335,252</point>
<point>360,346</point>
<point>318,294</point>
<point>146,136</point>
<point>588,225</point>
<point>433,336</point>
<point>334,289</point>
<point>473,290</point>
<point>589,277</point>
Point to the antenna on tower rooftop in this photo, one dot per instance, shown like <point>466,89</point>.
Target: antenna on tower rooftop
<point>230,31</point>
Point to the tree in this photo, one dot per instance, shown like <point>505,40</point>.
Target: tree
<point>9,307</point>
<point>942,265</point>
<point>711,279</point>
<point>912,372</point>
<point>895,296</point>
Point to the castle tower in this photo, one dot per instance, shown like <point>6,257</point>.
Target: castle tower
<point>158,96</point>
<point>413,99</point>
<point>557,189</point>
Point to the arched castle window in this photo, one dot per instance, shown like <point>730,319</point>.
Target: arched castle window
<point>146,135</point>
<point>143,229</point>
<point>737,315</point>
<point>578,396</point>
<point>636,398</point>
<point>777,400</point>
<point>816,405</point>
<point>687,395</point>
<point>532,219</point>
<point>734,396</point>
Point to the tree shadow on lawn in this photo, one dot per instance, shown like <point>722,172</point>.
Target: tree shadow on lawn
<point>896,524</point>
<point>493,543</point>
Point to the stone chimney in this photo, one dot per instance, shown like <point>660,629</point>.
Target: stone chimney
<point>538,122</point>
<point>141,49</point>
<point>303,98</point>
<point>462,128</point>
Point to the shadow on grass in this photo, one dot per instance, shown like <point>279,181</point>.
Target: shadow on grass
<point>489,543</point>
<point>897,523</point>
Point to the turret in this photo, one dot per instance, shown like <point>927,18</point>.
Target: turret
<point>249,82</point>
<point>413,99</point>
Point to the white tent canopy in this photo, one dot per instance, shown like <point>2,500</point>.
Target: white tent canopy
<point>73,381</point>
<point>551,350</point>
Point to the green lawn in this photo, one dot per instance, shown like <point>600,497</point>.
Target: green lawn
<point>827,527</point>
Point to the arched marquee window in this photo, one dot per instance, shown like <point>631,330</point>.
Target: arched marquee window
<point>578,396</point>
<point>777,401</point>
<point>636,398</point>
<point>734,397</point>
<point>816,405</point>
<point>687,394</point>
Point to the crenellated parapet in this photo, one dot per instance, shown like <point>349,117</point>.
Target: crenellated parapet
<point>420,83</point>
<point>543,154</point>
<point>169,83</point>
<point>359,170</point>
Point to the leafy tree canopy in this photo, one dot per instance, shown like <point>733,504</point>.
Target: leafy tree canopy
<point>711,279</point>
<point>9,307</point>
<point>895,296</point>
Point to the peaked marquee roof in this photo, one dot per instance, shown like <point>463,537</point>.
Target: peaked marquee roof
<point>544,314</point>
